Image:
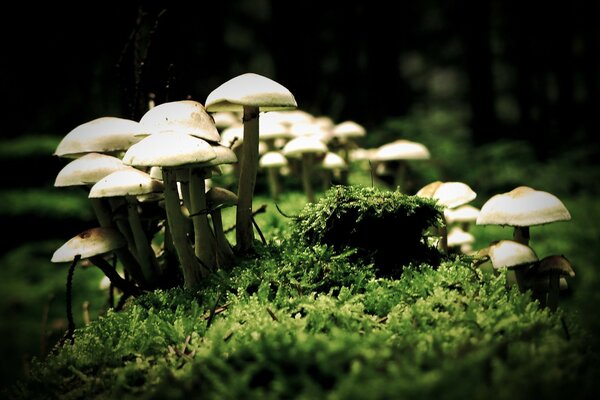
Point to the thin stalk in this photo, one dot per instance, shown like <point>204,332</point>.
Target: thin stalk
<point>248,167</point>
<point>521,235</point>
<point>400,177</point>
<point>71,322</point>
<point>274,184</point>
<point>307,162</point>
<point>553,290</point>
<point>193,271</point>
<point>144,250</point>
<point>225,255</point>
<point>204,240</point>
<point>131,265</point>
<point>115,279</point>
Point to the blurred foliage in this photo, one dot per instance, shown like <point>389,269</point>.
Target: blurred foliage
<point>28,146</point>
<point>46,203</point>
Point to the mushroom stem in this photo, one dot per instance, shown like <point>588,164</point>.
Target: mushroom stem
<point>520,278</point>
<point>114,277</point>
<point>443,230</point>
<point>193,271</point>
<point>129,262</point>
<point>144,251</point>
<point>225,256</point>
<point>204,241</point>
<point>400,176</point>
<point>553,290</point>
<point>307,161</point>
<point>521,235</point>
<point>274,184</point>
<point>248,167</point>
<point>71,322</point>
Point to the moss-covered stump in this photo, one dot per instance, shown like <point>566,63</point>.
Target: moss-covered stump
<point>387,227</point>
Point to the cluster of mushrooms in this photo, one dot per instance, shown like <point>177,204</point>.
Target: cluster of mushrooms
<point>159,215</point>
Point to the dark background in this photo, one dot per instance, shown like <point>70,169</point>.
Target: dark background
<point>517,69</point>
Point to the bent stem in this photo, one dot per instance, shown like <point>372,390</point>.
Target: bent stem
<point>193,271</point>
<point>244,232</point>
<point>225,255</point>
<point>71,322</point>
<point>115,279</point>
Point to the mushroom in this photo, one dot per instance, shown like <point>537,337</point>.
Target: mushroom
<point>459,238</point>
<point>449,195</point>
<point>345,133</point>
<point>521,208</point>
<point>101,135</point>
<point>272,162</point>
<point>91,244</point>
<point>399,152</point>
<point>216,199</point>
<point>305,147</point>
<point>249,93</point>
<point>129,183</point>
<point>552,269</point>
<point>86,171</point>
<point>173,151</point>
<point>514,256</point>
<point>332,163</point>
<point>463,215</point>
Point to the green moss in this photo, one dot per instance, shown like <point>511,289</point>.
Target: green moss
<point>387,227</point>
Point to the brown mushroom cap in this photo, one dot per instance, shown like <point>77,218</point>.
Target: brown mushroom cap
<point>523,206</point>
<point>89,243</point>
<point>556,263</point>
<point>217,197</point>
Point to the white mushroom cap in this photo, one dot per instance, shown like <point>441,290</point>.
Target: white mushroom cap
<point>349,129</point>
<point>464,213</point>
<point>101,135</point>
<point>448,194</point>
<point>88,169</point>
<point>272,159</point>
<point>311,129</point>
<point>458,237</point>
<point>288,118</point>
<point>169,150</point>
<point>510,254</point>
<point>185,116</point>
<point>226,119</point>
<point>131,182</point>
<point>522,206</point>
<point>362,154</point>
<point>234,134</point>
<point>324,122</point>
<point>250,90</point>
<point>89,243</point>
<point>224,155</point>
<point>402,150</point>
<point>270,129</point>
<point>333,161</point>
<point>304,144</point>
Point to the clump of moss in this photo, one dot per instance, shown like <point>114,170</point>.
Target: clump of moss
<point>388,228</point>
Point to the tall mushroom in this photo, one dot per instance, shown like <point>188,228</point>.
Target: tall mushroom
<point>521,208</point>
<point>249,93</point>
<point>514,256</point>
<point>399,152</point>
<point>306,148</point>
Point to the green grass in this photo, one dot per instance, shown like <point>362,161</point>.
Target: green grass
<point>305,320</point>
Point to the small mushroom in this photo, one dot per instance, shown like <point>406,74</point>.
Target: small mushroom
<point>552,269</point>
<point>272,162</point>
<point>398,152</point>
<point>305,147</point>
<point>514,256</point>
<point>92,244</point>
<point>216,199</point>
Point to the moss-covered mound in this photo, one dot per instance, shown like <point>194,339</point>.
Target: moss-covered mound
<point>388,228</point>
